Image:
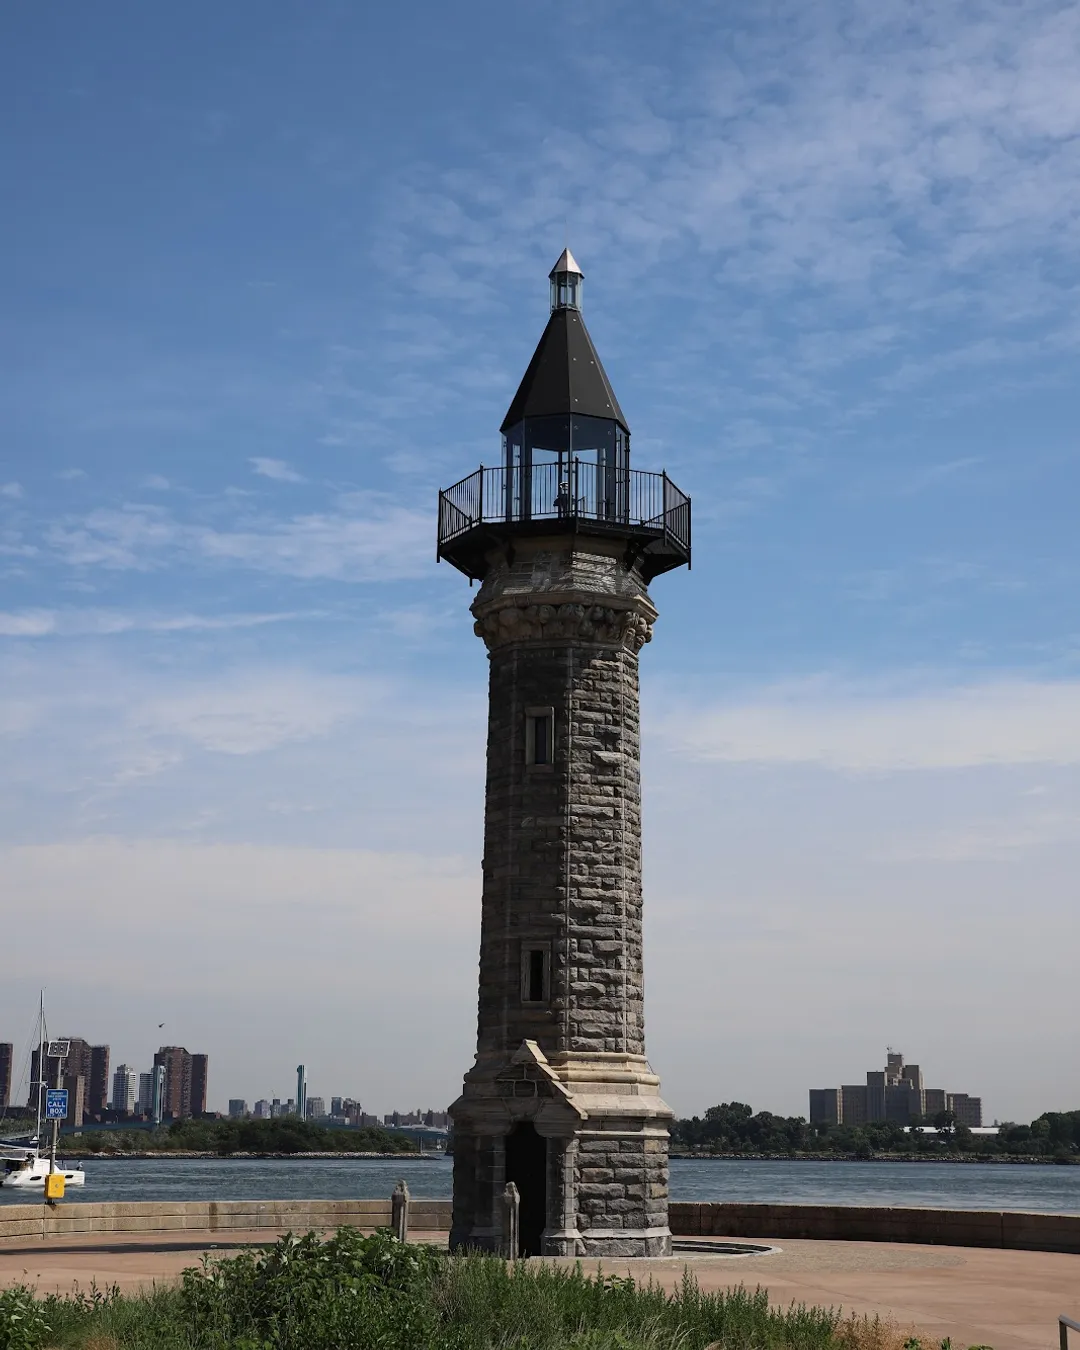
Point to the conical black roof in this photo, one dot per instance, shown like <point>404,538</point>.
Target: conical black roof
<point>565,375</point>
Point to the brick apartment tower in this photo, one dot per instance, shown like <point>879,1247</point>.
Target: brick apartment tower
<point>7,1054</point>
<point>565,539</point>
<point>176,1099</point>
<point>199,1072</point>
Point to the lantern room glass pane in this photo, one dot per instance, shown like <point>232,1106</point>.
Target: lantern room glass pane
<point>566,466</point>
<point>600,446</point>
<point>516,503</point>
<point>566,290</point>
<point>547,456</point>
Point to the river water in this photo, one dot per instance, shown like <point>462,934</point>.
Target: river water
<point>1054,1190</point>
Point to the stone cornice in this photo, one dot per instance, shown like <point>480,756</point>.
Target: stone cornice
<point>570,617</point>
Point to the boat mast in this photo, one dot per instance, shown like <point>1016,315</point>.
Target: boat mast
<point>40,1064</point>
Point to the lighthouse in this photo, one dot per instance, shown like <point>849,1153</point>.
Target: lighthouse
<point>565,539</point>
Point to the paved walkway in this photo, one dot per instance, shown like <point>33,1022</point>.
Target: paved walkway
<point>1008,1300</point>
<point>974,1296</point>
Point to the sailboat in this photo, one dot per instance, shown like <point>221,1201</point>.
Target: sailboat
<point>25,1165</point>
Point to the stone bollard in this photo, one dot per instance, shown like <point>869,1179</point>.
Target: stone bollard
<point>511,1206</point>
<point>399,1212</point>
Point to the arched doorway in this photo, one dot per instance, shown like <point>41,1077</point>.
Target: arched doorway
<point>526,1167</point>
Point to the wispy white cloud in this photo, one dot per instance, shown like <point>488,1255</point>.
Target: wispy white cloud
<point>96,622</point>
<point>249,713</point>
<point>933,474</point>
<point>155,483</point>
<point>11,490</point>
<point>276,469</point>
<point>366,543</point>
<point>96,740</point>
<point>1001,723</point>
<point>1009,838</point>
<point>29,623</point>
<point>868,193</point>
<point>363,537</point>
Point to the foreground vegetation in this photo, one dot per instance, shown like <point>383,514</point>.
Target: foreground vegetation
<point>733,1127</point>
<point>286,1134</point>
<point>375,1293</point>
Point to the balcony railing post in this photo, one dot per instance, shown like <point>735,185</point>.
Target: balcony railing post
<point>568,487</point>
<point>1064,1326</point>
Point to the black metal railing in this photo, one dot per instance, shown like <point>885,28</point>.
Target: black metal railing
<point>576,490</point>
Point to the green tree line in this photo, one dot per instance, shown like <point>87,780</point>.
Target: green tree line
<point>734,1127</point>
<point>286,1134</point>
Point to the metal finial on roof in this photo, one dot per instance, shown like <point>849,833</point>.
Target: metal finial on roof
<point>566,263</point>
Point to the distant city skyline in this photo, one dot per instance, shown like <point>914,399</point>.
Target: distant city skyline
<point>969,1108</point>
<point>261,307</point>
<point>897,1093</point>
<point>185,1087</point>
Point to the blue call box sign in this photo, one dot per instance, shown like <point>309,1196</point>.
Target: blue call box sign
<point>56,1104</point>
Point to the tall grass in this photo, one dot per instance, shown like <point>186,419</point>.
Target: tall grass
<point>374,1293</point>
<point>546,1307</point>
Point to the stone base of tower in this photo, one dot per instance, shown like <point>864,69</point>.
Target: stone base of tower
<point>586,1143</point>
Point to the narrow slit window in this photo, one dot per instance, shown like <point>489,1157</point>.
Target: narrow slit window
<point>540,736</point>
<point>535,975</point>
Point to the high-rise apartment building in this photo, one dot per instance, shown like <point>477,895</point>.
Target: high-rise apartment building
<point>144,1102</point>
<point>176,1062</point>
<point>238,1108</point>
<point>967,1110</point>
<point>76,1063</point>
<point>897,1093</point>
<point>263,1109</point>
<point>316,1108</point>
<point>85,1061</point>
<point>301,1091</point>
<point>97,1082</point>
<point>934,1100</point>
<point>157,1100</point>
<point>200,1066</point>
<point>903,1101</point>
<point>124,1086</point>
<point>852,1104</point>
<point>75,1084</point>
<point>7,1054</point>
<point>875,1095</point>
<point>185,1081</point>
<point>825,1106</point>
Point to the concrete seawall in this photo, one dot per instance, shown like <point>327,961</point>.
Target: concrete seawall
<point>1020,1231</point>
<point>845,1223</point>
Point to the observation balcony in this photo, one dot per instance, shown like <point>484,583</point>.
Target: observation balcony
<point>493,507</point>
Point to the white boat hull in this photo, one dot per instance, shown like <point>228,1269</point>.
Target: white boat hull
<point>30,1175</point>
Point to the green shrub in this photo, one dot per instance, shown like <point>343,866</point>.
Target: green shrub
<point>22,1320</point>
<point>376,1293</point>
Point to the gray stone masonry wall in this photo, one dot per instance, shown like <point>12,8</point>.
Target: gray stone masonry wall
<point>622,1195</point>
<point>564,621</point>
<point>562,852</point>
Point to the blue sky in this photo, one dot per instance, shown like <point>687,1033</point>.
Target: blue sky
<point>271,278</point>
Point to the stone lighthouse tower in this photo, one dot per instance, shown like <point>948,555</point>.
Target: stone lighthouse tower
<point>565,539</point>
